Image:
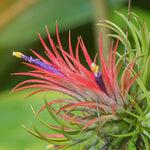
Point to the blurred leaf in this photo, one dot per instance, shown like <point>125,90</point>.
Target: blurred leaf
<point>117,2</point>
<point>22,30</point>
<point>10,12</point>
<point>69,14</point>
<point>5,4</point>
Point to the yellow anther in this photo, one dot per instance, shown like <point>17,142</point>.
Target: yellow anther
<point>95,68</point>
<point>18,54</point>
<point>50,146</point>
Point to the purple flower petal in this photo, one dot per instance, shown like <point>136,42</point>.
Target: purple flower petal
<point>38,63</point>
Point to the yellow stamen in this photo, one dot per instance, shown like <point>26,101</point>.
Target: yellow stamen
<point>95,68</point>
<point>18,54</point>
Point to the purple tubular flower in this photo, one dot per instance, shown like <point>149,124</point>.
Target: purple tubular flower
<point>98,77</point>
<point>55,146</point>
<point>99,81</point>
<point>52,146</point>
<point>38,63</point>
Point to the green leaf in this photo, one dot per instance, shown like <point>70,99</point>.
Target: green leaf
<point>55,117</point>
<point>143,88</point>
<point>144,131</point>
<point>142,13</point>
<point>45,124</point>
<point>138,109</point>
<point>146,72</point>
<point>55,141</point>
<point>127,134</point>
<point>132,114</point>
<point>119,31</point>
<point>80,136</point>
<point>134,32</point>
<point>146,141</point>
<point>143,32</point>
<point>91,141</point>
<point>30,131</point>
<point>132,122</point>
<point>133,139</point>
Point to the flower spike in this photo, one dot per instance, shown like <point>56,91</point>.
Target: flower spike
<point>38,63</point>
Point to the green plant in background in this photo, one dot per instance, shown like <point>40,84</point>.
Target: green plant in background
<point>105,112</point>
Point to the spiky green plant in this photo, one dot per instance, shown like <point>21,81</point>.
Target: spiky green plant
<point>139,94</point>
<point>105,112</point>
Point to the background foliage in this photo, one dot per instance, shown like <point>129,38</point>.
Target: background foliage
<point>20,21</point>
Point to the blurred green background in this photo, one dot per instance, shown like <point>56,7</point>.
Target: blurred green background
<point>20,20</point>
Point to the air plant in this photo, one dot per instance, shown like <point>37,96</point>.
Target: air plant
<point>103,111</point>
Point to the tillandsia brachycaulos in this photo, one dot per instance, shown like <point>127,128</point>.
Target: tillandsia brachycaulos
<point>103,112</point>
